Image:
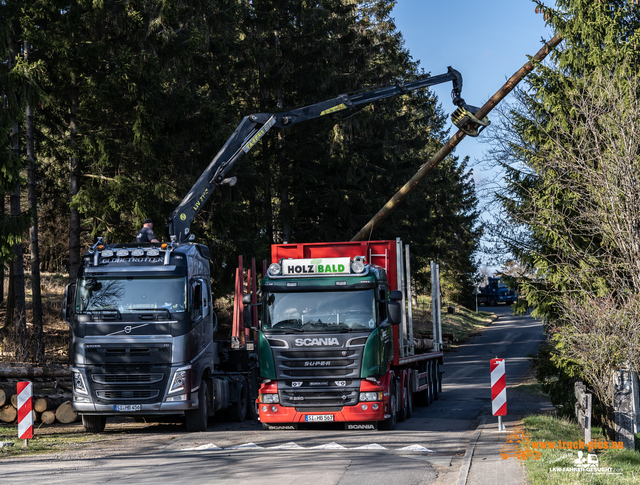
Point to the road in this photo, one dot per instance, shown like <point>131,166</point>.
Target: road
<point>428,448</point>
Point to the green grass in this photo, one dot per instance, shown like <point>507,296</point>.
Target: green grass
<point>463,324</point>
<point>48,440</point>
<point>532,389</point>
<point>553,428</point>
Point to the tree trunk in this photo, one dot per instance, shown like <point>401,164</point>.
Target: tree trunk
<point>2,263</point>
<point>11,304</point>
<point>27,371</point>
<point>74,185</point>
<point>8,414</point>
<point>65,414</point>
<point>20,317</point>
<point>38,334</point>
<point>48,417</point>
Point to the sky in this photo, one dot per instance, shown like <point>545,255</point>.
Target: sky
<point>486,41</point>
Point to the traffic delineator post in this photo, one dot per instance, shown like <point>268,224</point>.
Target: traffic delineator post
<point>498,390</point>
<point>25,411</point>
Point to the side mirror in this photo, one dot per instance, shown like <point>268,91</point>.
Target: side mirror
<point>246,299</point>
<point>395,315</point>
<point>395,295</point>
<point>67,302</point>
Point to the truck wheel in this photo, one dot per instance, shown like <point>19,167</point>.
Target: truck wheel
<point>492,301</point>
<point>409,406</point>
<point>238,410</point>
<point>403,414</point>
<point>390,423</point>
<point>94,424</point>
<point>436,380</point>
<point>197,418</point>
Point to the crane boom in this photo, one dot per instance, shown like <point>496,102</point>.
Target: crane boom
<point>253,127</point>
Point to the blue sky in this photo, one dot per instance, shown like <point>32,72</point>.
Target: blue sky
<point>487,41</point>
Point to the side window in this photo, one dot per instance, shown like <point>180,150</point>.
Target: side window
<point>382,304</point>
<point>196,300</point>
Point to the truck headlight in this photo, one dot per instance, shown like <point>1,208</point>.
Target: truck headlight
<point>78,383</point>
<point>274,269</point>
<point>371,396</point>
<point>269,398</point>
<point>179,381</point>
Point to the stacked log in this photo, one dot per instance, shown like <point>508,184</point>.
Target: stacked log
<point>51,393</point>
<point>46,409</point>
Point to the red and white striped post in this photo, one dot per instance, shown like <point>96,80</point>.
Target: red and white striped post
<point>498,391</point>
<point>25,411</point>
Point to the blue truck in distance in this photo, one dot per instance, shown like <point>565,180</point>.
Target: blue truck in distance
<point>495,292</point>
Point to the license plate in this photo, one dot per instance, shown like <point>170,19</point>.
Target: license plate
<point>318,417</point>
<point>127,407</point>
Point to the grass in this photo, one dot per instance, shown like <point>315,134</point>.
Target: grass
<point>553,429</point>
<point>532,388</point>
<point>460,326</point>
<point>49,440</point>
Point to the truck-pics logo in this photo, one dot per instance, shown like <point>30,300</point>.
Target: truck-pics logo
<point>310,342</point>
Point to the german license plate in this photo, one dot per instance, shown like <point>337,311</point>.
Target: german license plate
<point>126,407</point>
<point>318,417</point>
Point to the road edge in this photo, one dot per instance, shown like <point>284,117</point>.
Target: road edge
<point>466,461</point>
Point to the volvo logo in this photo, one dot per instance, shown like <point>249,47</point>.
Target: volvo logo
<point>307,342</point>
<point>127,329</point>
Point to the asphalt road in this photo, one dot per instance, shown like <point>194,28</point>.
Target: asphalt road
<point>428,448</point>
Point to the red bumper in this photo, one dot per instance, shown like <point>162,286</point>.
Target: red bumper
<point>348,414</point>
<point>368,411</point>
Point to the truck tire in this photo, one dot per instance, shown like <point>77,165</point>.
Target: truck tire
<point>424,397</point>
<point>492,301</point>
<point>436,379</point>
<point>390,423</point>
<point>238,410</point>
<point>402,412</point>
<point>197,418</point>
<point>94,424</point>
<point>409,406</point>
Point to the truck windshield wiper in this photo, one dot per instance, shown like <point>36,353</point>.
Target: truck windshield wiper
<point>152,310</point>
<point>284,330</point>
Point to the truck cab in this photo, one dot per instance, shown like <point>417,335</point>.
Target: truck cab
<point>141,324</point>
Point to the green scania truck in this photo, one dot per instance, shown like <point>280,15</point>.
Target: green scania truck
<point>336,338</point>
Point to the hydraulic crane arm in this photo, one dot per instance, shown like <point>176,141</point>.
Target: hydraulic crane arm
<point>253,127</point>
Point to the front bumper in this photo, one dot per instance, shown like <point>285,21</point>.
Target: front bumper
<point>146,409</point>
<point>348,414</point>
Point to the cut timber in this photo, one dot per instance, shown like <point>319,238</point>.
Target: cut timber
<point>3,397</point>
<point>21,371</point>
<point>48,417</point>
<point>40,405</point>
<point>65,414</point>
<point>8,414</point>
<point>51,403</point>
<point>14,401</point>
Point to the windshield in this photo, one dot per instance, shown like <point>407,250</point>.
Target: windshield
<point>320,312</point>
<point>129,294</point>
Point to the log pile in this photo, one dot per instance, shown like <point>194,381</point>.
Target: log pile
<point>45,410</point>
<point>51,393</point>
